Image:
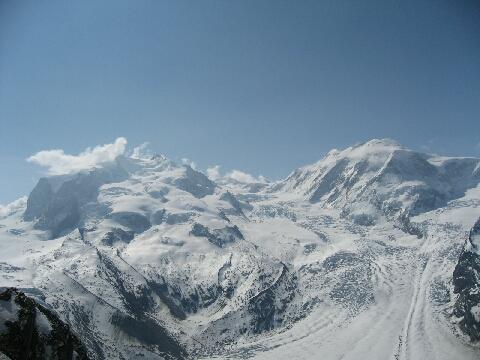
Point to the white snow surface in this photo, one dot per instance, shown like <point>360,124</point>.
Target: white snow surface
<point>350,282</point>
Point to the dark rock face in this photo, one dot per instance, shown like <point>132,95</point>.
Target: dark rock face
<point>180,303</point>
<point>137,321</point>
<point>165,293</point>
<point>56,203</point>
<point>62,214</point>
<point>159,194</point>
<point>117,235</point>
<point>158,217</point>
<point>161,216</point>
<point>195,183</point>
<point>137,303</point>
<point>136,222</point>
<point>219,237</point>
<point>403,223</point>
<point>31,331</point>
<point>466,282</point>
<point>38,200</point>
<point>179,218</point>
<point>237,206</point>
<point>149,332</point>
<point>232,200</point>
<point>268,307</point>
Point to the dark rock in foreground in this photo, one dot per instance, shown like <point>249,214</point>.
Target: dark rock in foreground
<point>30,331</point>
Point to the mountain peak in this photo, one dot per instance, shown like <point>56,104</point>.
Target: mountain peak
<point>155,253</point>
<point>374,146</point>
<point>383,173</point>
<point>387,142</point>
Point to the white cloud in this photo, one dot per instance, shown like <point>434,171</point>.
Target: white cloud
<point>57,162</point>
<point>244,177</point>
<point>13,207</point>
<point>141,151</point>
<point>213,172</point>
<point>186,161</point>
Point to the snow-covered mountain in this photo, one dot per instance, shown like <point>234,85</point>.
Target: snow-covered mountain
<point>382,175</point>
<point>368,253</point>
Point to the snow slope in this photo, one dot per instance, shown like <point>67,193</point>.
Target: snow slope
<point>351,257</point>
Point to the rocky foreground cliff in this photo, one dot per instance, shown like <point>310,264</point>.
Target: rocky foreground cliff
<point>28,330</point>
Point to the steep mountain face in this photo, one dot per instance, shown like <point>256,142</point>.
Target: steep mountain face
<point>57,203</point>
<point>351,257</point>
<point>466,281</point>
<point>30,331</point>
<point>383,175</point>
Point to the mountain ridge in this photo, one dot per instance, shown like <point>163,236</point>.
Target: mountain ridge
<point>340,252</point>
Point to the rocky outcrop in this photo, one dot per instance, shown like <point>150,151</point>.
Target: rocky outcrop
<point>136,222</point>
<point>117,235</point>
<point>466,282</point>
<point>237,207</point>
<point>268,307</point>
<point>195,183</point>
<point>219,237</point>
<point>39,199</point>
<point>30,331</point>
<point>148,332</point>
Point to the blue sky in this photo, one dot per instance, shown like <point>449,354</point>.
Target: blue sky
<point>262,86</point>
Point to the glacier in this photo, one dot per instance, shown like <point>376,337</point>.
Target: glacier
<point>372,252</point>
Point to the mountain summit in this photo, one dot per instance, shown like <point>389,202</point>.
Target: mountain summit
<point>386,176</point>
<point>352,257</point>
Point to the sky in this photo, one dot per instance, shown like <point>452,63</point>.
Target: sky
<point>260,86</point>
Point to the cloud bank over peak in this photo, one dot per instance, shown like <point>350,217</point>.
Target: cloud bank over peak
<point>58,163</point>
<point>187,161</point>
<point>141,152</point>
<point>244,177</point>
<point>17,205</point>
<point>213,173</point>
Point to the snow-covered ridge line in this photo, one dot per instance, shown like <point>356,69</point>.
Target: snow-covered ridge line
<point>146,257</point>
